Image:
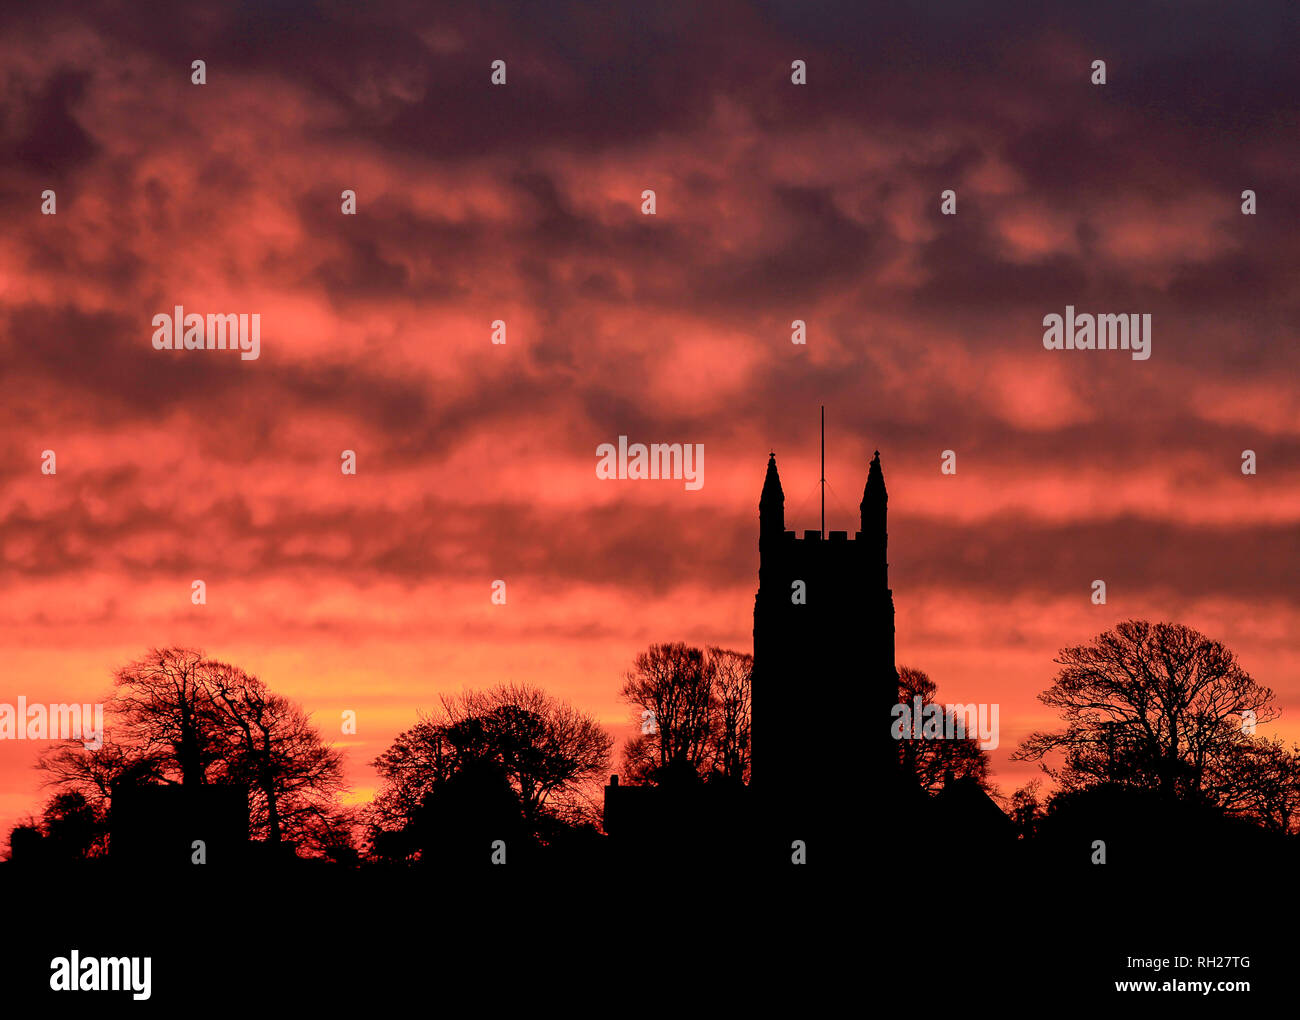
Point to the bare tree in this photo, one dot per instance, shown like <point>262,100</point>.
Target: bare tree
<point>1259,779</point>
<point>96,772</point>
<point>694,711</point>
<point>161,730</point>
<point>549,753</point>
<point>163,711</point>
<point>1026,808</point>
<point>1158,706</point>
<point>733,675</point>
<point>932,760</point>
<point>178,717</point>
<point>674,683</point>
<point>415,762</point>
<point>545,745</point>
<point>641,758</point>
<point>272,748</point>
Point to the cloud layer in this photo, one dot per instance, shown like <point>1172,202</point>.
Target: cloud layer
<point>522,203</point>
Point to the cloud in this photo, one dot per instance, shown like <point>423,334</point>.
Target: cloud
<point>522,203</point>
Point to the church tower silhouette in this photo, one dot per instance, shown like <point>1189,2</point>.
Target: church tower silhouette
<point>824,677</point>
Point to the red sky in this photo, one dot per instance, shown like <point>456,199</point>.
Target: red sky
<point>522,203</point>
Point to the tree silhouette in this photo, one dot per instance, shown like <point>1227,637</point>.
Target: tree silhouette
<point>460,818</point>
<point>673,683</point>
<point>97,772</point>
<point>694,710</point>
<point>180,718</point>
<point>73,828</point>
<point>418,760</point>
<point>26,842</point>
<point>163,711</point>
<point>545,746</point>
<point>1026,808</point>
<point>932,762</point>
<point>1260,780</point>
<point>269,745</point>
<point>456,772</point>
<point>1156,706</point>
<point>730,705</point>
<point>70,829</point>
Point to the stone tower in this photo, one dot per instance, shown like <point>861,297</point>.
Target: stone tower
<point>824,672</point>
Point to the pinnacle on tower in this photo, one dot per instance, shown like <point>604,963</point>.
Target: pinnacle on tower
<point>874,494</point>
<point>874,499</point>
<point>771,505</point>
<point>773,494</point>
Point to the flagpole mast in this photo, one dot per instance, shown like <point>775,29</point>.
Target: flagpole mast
<point>823,472</point>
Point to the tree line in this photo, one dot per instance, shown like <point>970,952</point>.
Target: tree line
<point>1157,708</point>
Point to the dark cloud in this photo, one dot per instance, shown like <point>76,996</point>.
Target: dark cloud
<point>1138,558</point>
<point>925,96</point>
<point>47,136</point>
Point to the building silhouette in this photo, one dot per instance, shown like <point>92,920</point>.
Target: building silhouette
<point>823,647</point>
<point>825,770</point>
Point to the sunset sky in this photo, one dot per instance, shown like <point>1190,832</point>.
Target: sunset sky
<point>522,202</point>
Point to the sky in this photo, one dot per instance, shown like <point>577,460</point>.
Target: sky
<point>522,202</point>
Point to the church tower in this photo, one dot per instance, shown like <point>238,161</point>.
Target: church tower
<point>824,672</point>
